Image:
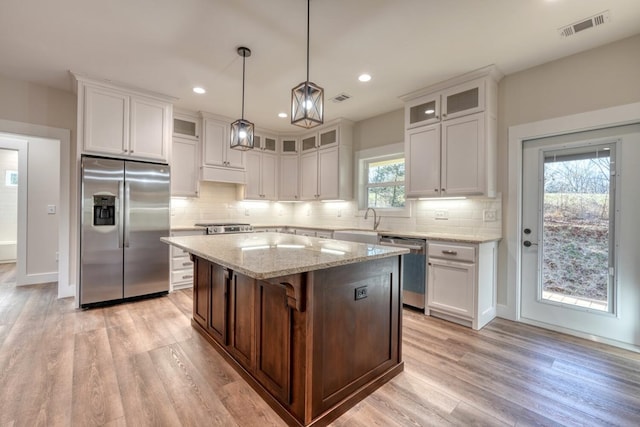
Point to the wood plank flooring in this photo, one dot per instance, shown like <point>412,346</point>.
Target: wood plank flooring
<point>141,364</point>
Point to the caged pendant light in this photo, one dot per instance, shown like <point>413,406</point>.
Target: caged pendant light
<point>307,99</point>
<point>242,130</point>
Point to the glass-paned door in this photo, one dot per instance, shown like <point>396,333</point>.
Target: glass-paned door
<point>568,224</point>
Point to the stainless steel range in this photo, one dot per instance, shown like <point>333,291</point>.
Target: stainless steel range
<point>225,227</point>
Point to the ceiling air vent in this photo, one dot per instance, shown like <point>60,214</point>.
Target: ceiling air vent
<point>341,98</point>
<point>584,24</point>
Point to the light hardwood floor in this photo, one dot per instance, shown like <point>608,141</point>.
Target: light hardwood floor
<point>141,364</point>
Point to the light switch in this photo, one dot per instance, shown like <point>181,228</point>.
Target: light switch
<point>51,209</point>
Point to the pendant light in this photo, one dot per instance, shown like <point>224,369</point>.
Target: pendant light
<point>307,99</point>
<point>242,130</point>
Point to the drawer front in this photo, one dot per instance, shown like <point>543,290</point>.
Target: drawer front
<point>451,251</point>
<point>181,263</point>
<point>181,276</point>
<point>177,252</point>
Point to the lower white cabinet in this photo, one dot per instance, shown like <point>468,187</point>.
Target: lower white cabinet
<point>181,264</point>
<point>462,282</point>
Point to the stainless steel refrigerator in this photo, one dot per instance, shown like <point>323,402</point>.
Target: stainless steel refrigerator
<point>125,211</point>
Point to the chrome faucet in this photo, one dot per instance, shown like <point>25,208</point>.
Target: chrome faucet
<point>376,220</point>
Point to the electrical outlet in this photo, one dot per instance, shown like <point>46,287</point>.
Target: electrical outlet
<point>361,292</point>
<point>308,212</point>
<point>489,215</point>
<point>246,212</point>
<point>442,214</point>
<point>339,213</point>
<point>51,209</point>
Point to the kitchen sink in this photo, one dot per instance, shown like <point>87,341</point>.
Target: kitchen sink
<point>360,236</point>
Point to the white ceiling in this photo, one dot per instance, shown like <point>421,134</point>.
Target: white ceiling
<point>169,46</point>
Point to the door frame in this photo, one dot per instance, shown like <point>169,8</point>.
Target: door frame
<point>67,253</point>
<point>591,120</point>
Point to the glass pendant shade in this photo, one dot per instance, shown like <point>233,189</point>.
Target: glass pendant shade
<point>307,104</point>
<point>241,129</point>
<point>242,135</point>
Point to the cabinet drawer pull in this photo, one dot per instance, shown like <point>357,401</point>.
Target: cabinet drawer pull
<point>448,252</point>
<point>186,263</point>
<point>188,276</point>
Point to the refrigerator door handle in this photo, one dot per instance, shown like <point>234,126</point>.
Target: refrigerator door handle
<point>120,213</point>
<point>127,210</point>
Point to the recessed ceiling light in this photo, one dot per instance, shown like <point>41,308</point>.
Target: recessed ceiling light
<point>199,90</point>
<point>364,77</point>
<point>282,115</point>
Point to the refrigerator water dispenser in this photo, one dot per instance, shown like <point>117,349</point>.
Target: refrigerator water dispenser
<point>104,210</point>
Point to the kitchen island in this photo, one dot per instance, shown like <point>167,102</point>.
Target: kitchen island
<point>314,325</point>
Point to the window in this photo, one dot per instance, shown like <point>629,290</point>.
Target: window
<point>11,178</point>
<point>385,183</point>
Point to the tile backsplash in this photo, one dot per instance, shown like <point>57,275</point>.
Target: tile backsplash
<point>219,202</point>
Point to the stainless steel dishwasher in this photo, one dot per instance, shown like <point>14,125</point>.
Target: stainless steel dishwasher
<point>414,268</point>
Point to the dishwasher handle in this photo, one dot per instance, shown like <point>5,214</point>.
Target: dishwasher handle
<point>414,248</point>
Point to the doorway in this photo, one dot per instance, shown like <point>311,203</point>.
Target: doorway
<point>568,231</point>
<point>8,209</point>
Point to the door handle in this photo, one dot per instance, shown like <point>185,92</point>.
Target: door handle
<point>120,213</point>
<point>528,244</point>
<point>127,213</point>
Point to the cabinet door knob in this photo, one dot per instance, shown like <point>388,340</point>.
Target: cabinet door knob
<point>443,190</point>
<point>435,189</point>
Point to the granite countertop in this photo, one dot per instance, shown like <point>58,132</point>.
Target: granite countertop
<point>268,255</point>
<point>449,237</point>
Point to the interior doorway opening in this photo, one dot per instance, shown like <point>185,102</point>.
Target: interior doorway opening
<point>8,209</point>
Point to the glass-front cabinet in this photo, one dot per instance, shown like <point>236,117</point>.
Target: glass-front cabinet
<point>422,111</point>
<point>464,99</point>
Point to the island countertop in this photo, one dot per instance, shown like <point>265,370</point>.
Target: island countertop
<point>267,255</point>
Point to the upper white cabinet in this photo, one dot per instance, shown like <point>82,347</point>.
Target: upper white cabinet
<point>451,137</point>
<point>262,167</point>
<point>186,126</point>
<point>326,163</point>
<point>122,122</point>
<point>289,188</point>
<point>219,161</point>
<point>185,156</point>
<point>289,146</point>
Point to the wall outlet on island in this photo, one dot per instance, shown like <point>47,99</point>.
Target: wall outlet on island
<point>246,212</point>
<point>489,215</point>
<point>442,214</point>
<point>339,213</point>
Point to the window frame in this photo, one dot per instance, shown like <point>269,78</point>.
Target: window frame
<point>363,159</point>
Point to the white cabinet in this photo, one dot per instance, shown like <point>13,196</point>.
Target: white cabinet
<point>186,126</point>
<point>181,264</point>
<point>289,189</point>
<point>326,164</point>
<point>261,176</point>
<point>462,282</point>
<point>219,161</point>
<point>262,169</point>
<point>122,123</point>
<point>451,137</point>
<point>289,145</point>
<point>184,167</point>
<point>185,155</point>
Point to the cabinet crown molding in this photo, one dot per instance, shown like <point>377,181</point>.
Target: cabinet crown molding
<point>110,84</point>
<point>490,71</point>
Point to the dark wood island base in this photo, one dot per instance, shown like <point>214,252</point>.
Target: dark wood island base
<point>312,344</point>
